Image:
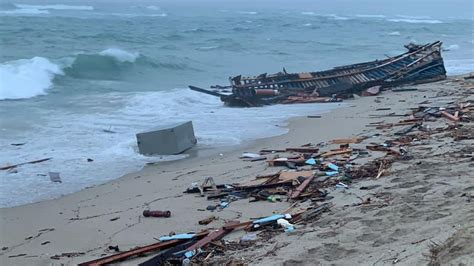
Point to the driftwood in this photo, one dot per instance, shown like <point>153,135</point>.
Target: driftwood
<point>30,162</point>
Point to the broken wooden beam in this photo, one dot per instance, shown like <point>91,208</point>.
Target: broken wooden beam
<point>303,149</point>
<point>450,116</point>
<point>216,235</point>
<point>348,141</point>
<point>297,192</point>
<point>30,162</point>
<point>336,152</point>
<point>139,251</point>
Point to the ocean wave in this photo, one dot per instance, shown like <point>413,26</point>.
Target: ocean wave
<point>409,20</point>
<point>370,16</point>
<point>121,55</point>
<point>24,11</point>
<point>414,17</point>
<point>207,48</point>
<point>54,7</point>
<point>26,78</point>
<point>394,33</point>
<point>331,16</point>
<point>132,15</point>
<point>247,12</point>
<point>153,7</point>
<point>105,65</point>
<point>452,47</point>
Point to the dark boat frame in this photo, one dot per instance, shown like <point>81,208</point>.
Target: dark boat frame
<point>421,63</point>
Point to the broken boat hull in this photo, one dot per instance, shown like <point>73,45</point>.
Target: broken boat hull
<point>422,63</point>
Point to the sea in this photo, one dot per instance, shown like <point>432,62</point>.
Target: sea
<point>78,79</point>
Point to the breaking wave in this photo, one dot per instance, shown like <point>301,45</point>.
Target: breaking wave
<point>394,33</point>
<point>412,20</point>
<point>106,64</point>
<point>331,16</point>
<point>26,78</point>
<point>24,9</point>
<point>54,7</point>
<point>121,55</point>
<point>247,12</point>
<point>370,16</point>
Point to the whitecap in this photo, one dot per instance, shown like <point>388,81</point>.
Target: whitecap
<point>55,7</point>
<point>153,7</point>
<point>427,21</point>
<point>206,48</point>
<point>414,17</point>
<point>332,16</point>
<point>394,33</point>
<point>370,16</point>
<point>24,11</point>
<point>248,12</point>
<point>26,78</point>
<point>307,24</point>
<point>120,55</point>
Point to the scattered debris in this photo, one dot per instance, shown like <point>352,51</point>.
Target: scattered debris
<point>207,220</point>
<point>54,177</point>
<point>306,176</point>
<point>18,144</point>
<point>165,214</point>
<point>20,164</point>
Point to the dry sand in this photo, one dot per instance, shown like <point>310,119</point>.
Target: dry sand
<point>421,212</point>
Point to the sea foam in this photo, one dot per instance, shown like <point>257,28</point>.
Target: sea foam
<point>24,11</point>
<point>120,55</point>
<point>54,7</point>
<point>27,78</point>
<point>411,20</point>
<point>370,16</point>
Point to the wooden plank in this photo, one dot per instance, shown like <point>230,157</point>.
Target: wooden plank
<point>30,162</point>
<point>348,141</point>
<point>297,192</point>
<point>336,152</point>
<point>218,234</point>
<point>450,116</point>
<point>138,251</point>
<point>303,149</point>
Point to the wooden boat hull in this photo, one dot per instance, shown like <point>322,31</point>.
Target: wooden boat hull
<point>422,63</point>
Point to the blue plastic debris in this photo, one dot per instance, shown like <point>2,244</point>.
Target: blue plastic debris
<point>224,204</point>
<point>178,236</point>
<point>272,218</point>
<point>190,254</point>
<point>311,161</point>
<point>332,173</point>
<point>333,166</point>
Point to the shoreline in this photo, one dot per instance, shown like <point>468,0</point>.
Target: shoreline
<point>195,153</point>
<point>109,213</point>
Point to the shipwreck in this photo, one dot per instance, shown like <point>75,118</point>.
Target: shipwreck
<point>420,64</point>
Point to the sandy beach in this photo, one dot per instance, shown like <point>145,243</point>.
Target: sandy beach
<point>420,212</point>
